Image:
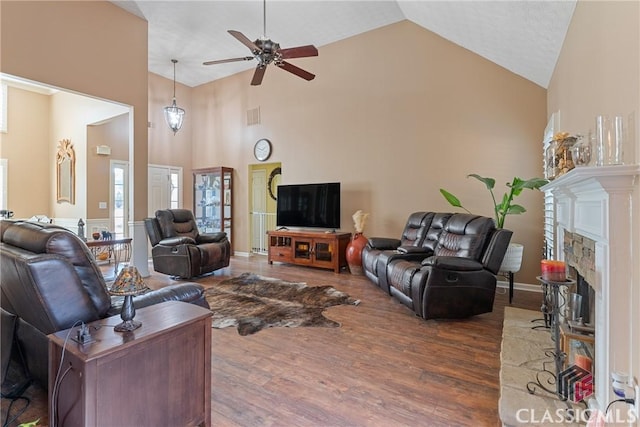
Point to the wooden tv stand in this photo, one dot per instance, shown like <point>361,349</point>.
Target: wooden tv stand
<point>309,248</point>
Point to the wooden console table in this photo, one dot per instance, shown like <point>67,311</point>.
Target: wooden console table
<point>157,375</point>
<point>117,249</point>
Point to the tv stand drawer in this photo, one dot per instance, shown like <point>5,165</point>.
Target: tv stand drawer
<point>280,254</point>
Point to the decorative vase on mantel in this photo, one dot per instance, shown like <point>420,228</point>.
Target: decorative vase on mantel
<point>356,244</point>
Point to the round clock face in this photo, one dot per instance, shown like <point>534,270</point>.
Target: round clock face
<point>262,149</point>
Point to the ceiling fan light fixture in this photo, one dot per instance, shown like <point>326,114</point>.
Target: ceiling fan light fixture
<point>173,114</point>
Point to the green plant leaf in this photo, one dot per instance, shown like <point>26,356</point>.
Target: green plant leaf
<point>515,210</point>
<point>453,200</point>
<point>506,206</point>
<point>533,183</point>
<point>489,182</point>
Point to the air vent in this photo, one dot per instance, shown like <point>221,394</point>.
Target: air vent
<point>253,116</point>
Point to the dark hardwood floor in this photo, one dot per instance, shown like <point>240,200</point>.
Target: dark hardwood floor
<point>383,367</point>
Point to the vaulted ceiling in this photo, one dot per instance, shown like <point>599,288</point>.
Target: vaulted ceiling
<point>523,36</point>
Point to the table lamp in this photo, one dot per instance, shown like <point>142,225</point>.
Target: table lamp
<point>128,283</point>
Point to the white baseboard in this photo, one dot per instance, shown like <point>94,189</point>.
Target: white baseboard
<point>520,286</point>
<point>242,254</point>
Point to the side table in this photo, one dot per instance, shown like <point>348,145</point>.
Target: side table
<point>157,375</point>
<point>118,249</point>
<point>554,303</point>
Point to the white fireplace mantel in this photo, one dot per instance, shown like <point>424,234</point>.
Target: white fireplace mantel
<point>596,202</point>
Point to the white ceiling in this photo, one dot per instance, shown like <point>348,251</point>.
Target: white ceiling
<point>523,36</point>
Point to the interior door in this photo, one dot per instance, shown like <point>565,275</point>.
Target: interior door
<point>158,191</point>
<point>165,188</point>
<point>258,210</point>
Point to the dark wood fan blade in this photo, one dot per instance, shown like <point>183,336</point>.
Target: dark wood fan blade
<point>299,52</point>
<point>222,61</point>
<point>296,70</point>
<point>244,40</point>
<point>258,75</point>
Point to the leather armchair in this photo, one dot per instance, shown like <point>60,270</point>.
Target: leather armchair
<point>51,282</point>
<point>459,279</point>
<point>178,248</point>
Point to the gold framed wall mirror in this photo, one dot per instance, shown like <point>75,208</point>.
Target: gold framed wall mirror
<point>65,172</point>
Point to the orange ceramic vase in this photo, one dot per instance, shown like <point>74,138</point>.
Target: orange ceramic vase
<point>354,253</point>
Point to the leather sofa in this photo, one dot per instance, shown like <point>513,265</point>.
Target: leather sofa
<point>447,271</point>
<point>178,248</point>
<point>50,280</point>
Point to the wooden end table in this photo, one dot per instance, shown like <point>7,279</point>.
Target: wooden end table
<point>156,375</point>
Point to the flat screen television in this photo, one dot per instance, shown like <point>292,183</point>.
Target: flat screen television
<point>309,205</point>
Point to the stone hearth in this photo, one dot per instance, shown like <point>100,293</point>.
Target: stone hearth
<point>524,351</point>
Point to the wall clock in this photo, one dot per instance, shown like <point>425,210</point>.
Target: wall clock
<point>262,149</point>
<point>272,184</point>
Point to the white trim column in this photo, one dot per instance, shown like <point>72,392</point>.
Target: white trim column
<point>139,247</point>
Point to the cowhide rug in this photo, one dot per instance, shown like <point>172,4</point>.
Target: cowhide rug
<point>253,302</point>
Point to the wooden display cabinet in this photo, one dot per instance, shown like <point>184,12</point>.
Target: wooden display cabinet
<point>308,248</point>
<point>213,200</point>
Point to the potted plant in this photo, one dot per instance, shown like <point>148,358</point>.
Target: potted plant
<point>504,207</point>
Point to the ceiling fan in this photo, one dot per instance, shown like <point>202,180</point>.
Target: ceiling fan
<point>266,52</point>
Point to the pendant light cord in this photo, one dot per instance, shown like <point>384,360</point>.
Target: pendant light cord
<point>174,78</point>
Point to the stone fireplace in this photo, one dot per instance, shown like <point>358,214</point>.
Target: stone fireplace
<point>579,254</point>
<point>594,227</point>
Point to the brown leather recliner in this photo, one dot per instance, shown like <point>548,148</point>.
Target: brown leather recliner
<point>178,248</point>
<point>50,280</point>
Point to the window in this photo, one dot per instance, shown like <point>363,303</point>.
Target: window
<point>174,189</point>
<point>119,198</point>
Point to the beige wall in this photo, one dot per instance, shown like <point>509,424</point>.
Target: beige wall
<point>94,48</point>
<point>71,114</point>
<point>598,69</point>
<point>25,146</point>
<point>393,114</point>
<point>598,72</point>
<point>165,148</point>
<point>113,133</point>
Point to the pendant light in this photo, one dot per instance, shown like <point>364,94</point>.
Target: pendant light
<point>174,114</point>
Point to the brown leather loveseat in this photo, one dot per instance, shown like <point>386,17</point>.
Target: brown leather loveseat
<point>50,281</point>
<point>445,265</point>
<point>180,250</point>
